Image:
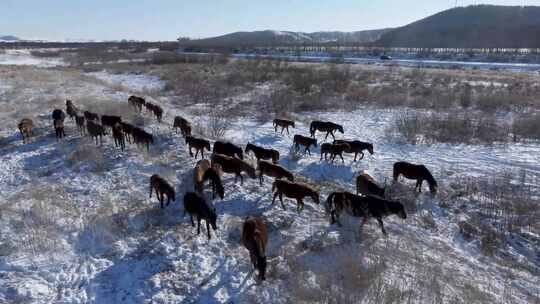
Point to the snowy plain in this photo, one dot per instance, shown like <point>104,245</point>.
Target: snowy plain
<point>78,228</point>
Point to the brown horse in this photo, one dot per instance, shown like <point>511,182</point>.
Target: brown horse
<point>273,170</point>
<point>136,102</point>
<point>90,116</point>
<point>356,147</point>
<point>334,150</point>
<point>366,185</point>
<point>306,142</point>
<point>363,206</point>
<point>205,171</point>
<point>59,128</point>
<point>158,112</point>
<point>95,131</point>
<point>79,120</point>
<point>118,135</point>
<point>284,124</point>
<point>141,137</point>
<point>199,144</point>
<point>234,166</point>
<point>197,206</point>
<point>25,127</point>
<point>293,190</point>
<point>58,114</point>
<point>162,188</point>
<point>263,153</point>
<point>417,172</point>
<point>110,121</point>
<point>255,238</point>
<point>182,124</point>
<point>228,149</point>
<point>324,126</point>
<point>71,110</point>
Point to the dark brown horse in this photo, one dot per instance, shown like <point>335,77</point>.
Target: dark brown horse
<point>158,112</point>
<point>71,110</point>
<point>95,131</point>
<point>90,116</point>
<point>58,114</point>
<point>284,124</point>
<point>25,127</point>
<point>363,206</point>
<point>356,147</point>
<point>182,124</point>
<point>334,150</point>
<point>162,188</point>
<point>137,102</point>
<point>127,129</point>
<point>293,190</point>
<point>255,238</point>
<point>227,148</point>
<point>324,126</point>
<point>273,170</point>
<point>141,137</point>
<point>234,166</point>
<point>199,144</point>
<point>59,128</point>
<point>197,206</point>
<point>366,185</point>
<point>110,121</point>
<point>79,120</point>
<point>306,142</point>
<point>118,135</point>
<point>417,172</point>
<point>262,153</point>
<point>205,171</point>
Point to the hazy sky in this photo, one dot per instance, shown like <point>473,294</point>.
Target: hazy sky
<point>169,19</point>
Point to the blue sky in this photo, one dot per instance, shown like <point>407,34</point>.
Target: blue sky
<point>169,19</point>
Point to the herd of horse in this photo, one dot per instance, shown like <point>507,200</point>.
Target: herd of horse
<point>227,158</point>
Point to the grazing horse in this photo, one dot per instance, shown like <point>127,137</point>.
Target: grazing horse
<point>325,126</point>
<point>417,172</point>
<point>366,185</point>
<point>284,124</point>
<point>228,149</point>
<point>273,170</point>
<point>79,120</point>
<point>199,144</point>
<point>334,150</point>
<point>293,190</point>
<point>110,121</point>
<point>363,206</point>
<point>140,136</point>
<point>197,206</point>
<point>71,110</point>
<point>149,107</point>
<point>234,166</point>
<point>118,135</point>
<point>162,188</point>
<point>127,129</point>
<point>136,102</point>
<point>255,238</point>
<point>205,171</point>
<point>182,124</point>
<point>90,116</point>
<point>263,153</point>
<point>95,130</point>
<point>25,127</point>
<point>300,140</point>
<point>59,128</point>
<point>356,147</point>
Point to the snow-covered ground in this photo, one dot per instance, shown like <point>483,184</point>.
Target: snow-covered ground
<point>23,57</point>
<point>77,225</point>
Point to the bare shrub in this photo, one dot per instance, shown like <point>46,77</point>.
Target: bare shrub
<point>407,126</point>
<point>526,126</point>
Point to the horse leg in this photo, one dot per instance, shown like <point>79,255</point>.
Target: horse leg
<point>419,185</point>
<point>281,200</point>
<point>161,198</point>
<point>342,160</point>
<point>151,188</point>
<point>260,177</point>
<point>382,226</point>
<point>332,133</point>
<point>198,225</point>
<point>241,179</point>
<point>208,229</point>
<point>190,152</point>
<point>196,153</point>
<point>168,200</point>
<point>326,135</point>
<point>274,198</point>
<point>288,131</point>
<point>192,222</point>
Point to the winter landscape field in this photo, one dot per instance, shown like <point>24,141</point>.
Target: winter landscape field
<point>77,225</point>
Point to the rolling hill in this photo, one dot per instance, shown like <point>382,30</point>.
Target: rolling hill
<point>479,26</point>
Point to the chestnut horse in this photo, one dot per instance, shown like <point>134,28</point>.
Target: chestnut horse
<point>334,150</point>
<point>228,149</point>
<point>307,142</point>
<point>356,147</point>
<point>273,170</point>
<point>284,124</point>
<point>162,188</point>
<point>234,166</point>
<point>25,127</point>
<point>199,144</point>
<point>262,153</point>
<point>325,126</point>
<point>293,190</point>
<point>255,238</point>
<point>366,185</point>
<point>205,171</point>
